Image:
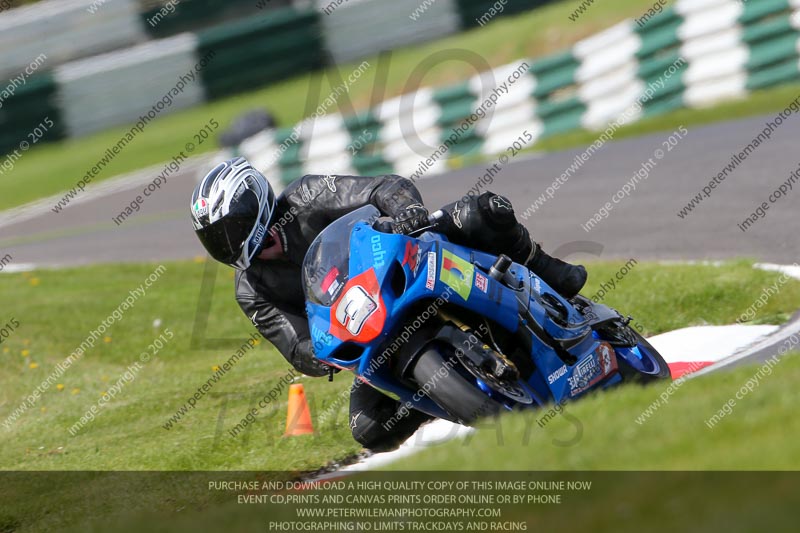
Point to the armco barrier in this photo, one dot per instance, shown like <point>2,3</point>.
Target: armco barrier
<point>694,53</point>
<point>100,50</point>
<point>119,87</point>
<point>64,30</point>
<point>357,29</point>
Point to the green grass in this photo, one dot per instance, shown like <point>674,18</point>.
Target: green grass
<point>703,489</point>
<point>56,315</point>
<point>668,297</point>
<point>49,169</point>
<point>56,309</point>
<point>602,432</point>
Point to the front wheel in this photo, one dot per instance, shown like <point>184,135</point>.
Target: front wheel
<point>440,380</point>
<point>642,363</point>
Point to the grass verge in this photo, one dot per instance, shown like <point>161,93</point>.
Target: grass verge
<point>56,309</point>
<point>604,431</point>
<point>595,441</point>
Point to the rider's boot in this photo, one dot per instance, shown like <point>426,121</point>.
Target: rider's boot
<point>488,222</point>
<point>565,278</point>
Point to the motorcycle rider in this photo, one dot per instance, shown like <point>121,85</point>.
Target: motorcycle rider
<point>241,223</point>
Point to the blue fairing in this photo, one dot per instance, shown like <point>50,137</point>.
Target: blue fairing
<point>353,324</point>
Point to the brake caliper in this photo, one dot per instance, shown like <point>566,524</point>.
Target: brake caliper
<point>478,353</point>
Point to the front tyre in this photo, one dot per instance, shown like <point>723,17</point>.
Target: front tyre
<point>642,363</point>
<point>461,398</point>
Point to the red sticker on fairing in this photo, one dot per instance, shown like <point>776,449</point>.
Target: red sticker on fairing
<point>481,281</point>
<point>329,279</point>
<point>411,256</point>
<point>359,314</point>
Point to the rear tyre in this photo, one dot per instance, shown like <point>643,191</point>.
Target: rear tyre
<point>450,390</point>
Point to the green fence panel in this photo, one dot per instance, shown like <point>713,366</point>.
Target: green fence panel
<point>754,11</point>
<point>767,53</point>
<point>659,40</point>
<point>786,72</point>
<point>191,15</point>
<point>23,116</point>
<point>479,12</point>
<point>261,50</point>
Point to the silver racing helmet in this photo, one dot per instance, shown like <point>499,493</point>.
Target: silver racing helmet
<point>231,211</point>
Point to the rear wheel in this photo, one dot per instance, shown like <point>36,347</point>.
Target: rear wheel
<point>440,380</point>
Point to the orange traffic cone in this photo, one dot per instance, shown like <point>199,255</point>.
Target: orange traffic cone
<point>298,418</point>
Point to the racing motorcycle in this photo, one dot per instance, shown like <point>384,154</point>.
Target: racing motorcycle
<point>455,332</point>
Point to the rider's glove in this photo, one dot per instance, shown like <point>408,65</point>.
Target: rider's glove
<point>411,219</point>
<point>303,360</point>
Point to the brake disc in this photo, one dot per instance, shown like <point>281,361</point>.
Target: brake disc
<point>511,390</point>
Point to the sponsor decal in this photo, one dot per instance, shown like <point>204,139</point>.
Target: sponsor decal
<point>200,208</point>
<point>330,283</point>
<point>592,369</point>
<point>284,239</point>
<point>261,230</point>
<point>537,285</point>
<point>457,273</point>
<point>354,420</point>
<point>412,256</point>
<point>431,278</point>
<point>557,374</point>
<point>457,216</point>
<point>606,358</point>
<point>320,337</point>
<point>330,181</point>
<point>378,253</point>
<point>586,373</point>
<point>481,281</point>
<point>501,202</point>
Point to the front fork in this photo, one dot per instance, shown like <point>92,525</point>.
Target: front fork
<point>471,346</point>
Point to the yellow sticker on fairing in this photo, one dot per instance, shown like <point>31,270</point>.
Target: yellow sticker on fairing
<point>457,273</point>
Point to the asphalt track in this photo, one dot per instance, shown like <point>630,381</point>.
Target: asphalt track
<point>644,226</point>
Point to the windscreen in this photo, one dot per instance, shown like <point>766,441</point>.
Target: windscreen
<point>326,267</point>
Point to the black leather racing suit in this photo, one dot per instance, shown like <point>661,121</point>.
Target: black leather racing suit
<point>271,294</point>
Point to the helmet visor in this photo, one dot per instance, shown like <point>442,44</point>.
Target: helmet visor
<point>225,238</point>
